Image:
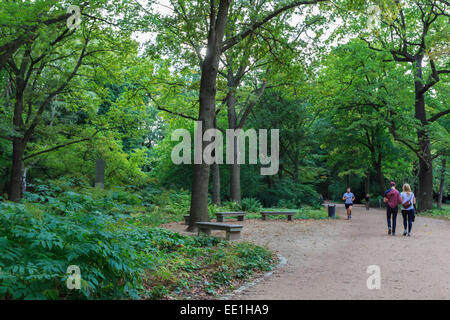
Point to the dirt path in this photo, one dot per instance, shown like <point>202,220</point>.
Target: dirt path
<point>329,259</point>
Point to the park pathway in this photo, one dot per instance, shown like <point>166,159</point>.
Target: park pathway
<point>329,259</point>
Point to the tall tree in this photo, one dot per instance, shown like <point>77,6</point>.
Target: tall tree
<point>356,90</point>
<point>416,33</point>
<point>216,44</point>
<point>253,65</point>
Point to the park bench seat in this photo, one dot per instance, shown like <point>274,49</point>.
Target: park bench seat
<point>289,214</point>
<point>233,231</point>
<point>221,215</point>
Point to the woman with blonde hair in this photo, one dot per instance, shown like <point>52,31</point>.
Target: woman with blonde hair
<point>408,202</point>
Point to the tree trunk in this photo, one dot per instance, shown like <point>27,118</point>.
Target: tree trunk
<point>296,171</point>
<point>415,172</point>
<point>19,143</point>
<point>200,181</point>
<point>380,176</point>
<point>235,182</point>
<point>280,171</point>
<point>442,182</point>
<point>367,184</point>
<point>216,183</point>
<point>425,195</point>
<point>235,168</point>
<point>377,163</point>
<point>16,185</point>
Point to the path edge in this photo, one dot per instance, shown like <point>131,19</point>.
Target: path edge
<point>282,262</point>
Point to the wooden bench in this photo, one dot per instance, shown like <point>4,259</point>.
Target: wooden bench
<point>186,219</point>
<point>289,214</point>
<point>221,215</point>
<point>233,231</point>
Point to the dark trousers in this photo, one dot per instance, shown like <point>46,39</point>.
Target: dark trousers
<point>408,218</point>
<point>367,205</point>
<point>392,212</point>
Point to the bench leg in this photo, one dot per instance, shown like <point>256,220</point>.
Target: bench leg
<point>186,221</point>
<point>289,218</point>
<point>241,218</point>
<point>219,218</point>
<point>205,231</point>
<point>233,235</point>
<point>264,217</point>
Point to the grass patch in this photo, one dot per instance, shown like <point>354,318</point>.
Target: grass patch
<point>443,213</point>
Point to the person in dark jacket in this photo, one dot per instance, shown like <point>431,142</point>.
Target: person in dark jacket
<point>392,200</point>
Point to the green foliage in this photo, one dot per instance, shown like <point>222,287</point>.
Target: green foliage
<point>209,268</point>
<point>250,205</point>
<point>119,256</point>
<point>304,213</point>
<point>309,213</point>
<point>286,191</point>
<point>443,213</point>
<point>38,247</point>
<point>162,205</point>
<point>345,111</point>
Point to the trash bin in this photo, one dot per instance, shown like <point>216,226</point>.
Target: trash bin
<point>331,211</point>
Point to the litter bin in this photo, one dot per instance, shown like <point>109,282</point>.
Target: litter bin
<point>331,211</point>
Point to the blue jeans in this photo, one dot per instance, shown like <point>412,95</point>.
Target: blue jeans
<point>408,219</point>
<point>392,212</point>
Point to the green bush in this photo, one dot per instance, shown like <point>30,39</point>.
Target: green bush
<point>443,213</point>
<point>286,192</point>
<point>250,205</point>
<point>118,255</point>
<point>37,248</point>
<point>375,201</point>
<point>287,204</point>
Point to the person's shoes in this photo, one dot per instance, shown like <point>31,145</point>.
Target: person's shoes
<point>389,231</point>
<point>404,233</point>
<point>409,234</point>
<point>393,233</point>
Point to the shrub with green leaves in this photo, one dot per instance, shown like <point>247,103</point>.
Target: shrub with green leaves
<point>37,248</point>
<point>251,205</point>
<point>285,192</point>
<point>119,256</point>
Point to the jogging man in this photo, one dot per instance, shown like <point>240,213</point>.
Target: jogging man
<point>348,197</point>
<point>392,198</point>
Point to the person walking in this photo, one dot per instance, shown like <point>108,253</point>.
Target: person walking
<point>392,199</point>
<point>408,202</point>
<point>348,197</point>
<point>367,198</point>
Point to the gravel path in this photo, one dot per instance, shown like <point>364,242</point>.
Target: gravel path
<point>328,259</point>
